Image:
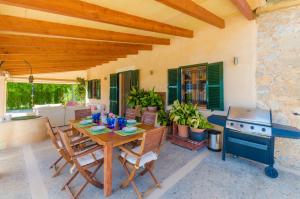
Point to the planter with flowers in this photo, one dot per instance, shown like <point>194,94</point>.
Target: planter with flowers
<point>180,114</point>
<point>111,120</point>
<point>198,125</point>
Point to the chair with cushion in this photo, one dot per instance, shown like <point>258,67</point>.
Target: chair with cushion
<point>149,118</point>
<point>78,143</point>
<point>82,113</point>
<point>84,161</point>
<point>142,156</point>
<point>130,114</point>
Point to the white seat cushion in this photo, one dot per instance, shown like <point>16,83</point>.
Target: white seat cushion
<point>88,159</point>
<point>148,157</point>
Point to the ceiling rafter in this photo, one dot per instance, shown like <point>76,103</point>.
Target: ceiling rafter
<point>84,10</point>
<point>24,25</point>
<point>244,8</point>
<point>22,40</point>
<point>189,7</point>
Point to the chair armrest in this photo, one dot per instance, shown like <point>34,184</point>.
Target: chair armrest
<point>130,152</point>
<point>87,151</point>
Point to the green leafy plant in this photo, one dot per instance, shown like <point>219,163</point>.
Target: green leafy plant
<point>154,99</point>
<point>198,121</point>
<point>136,97</point>
<point>162,118</point>
<point>181,112</point>
<point>80,89</point>
<point>143,98</point>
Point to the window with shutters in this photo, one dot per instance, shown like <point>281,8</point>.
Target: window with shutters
<point>200,84</point>
<point>94,89</point>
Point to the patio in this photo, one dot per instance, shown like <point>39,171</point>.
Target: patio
<point>131,94</point>
<point>184,174</point>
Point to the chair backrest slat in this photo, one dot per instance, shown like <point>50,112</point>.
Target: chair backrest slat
<point>130,114</point>
<point>66,142</point>
<point>152,140</point>
<point>149,118</point>
<point>53,137</point>
<point>82,113</point>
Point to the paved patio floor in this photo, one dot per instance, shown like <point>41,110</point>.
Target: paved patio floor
<point>24,173</point>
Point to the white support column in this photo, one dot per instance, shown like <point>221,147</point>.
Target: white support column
<point>2,96</point>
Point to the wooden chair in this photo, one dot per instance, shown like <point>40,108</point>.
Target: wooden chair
<point>79,114</point>
<point>142,156</point>
<point>58,146</point>
<point>149,118</point>
<point>83,161</point>
<point>130,114</point>
<point>77,142</point>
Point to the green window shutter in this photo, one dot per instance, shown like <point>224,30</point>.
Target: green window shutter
<point>174,85</point>
<point>90,89</point>
<point>114,94</point>
<point>215,90</point>
<point>134,79</point>
<point>98,89</point>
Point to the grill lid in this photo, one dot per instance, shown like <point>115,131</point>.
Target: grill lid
<point>250,115</point>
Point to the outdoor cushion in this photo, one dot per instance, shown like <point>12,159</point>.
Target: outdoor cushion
<point>148,157</point>
<point>88,159</point>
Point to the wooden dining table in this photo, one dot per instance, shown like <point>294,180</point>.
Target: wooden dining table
<point>109,141</point>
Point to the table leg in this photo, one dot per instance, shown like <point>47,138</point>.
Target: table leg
<point>108,156</point>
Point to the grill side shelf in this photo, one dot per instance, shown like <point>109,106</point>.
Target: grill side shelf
<point>279,130</point>
<point>217,120</point>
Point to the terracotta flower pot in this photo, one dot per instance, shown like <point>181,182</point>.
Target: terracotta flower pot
<point>152,108</point>
<point>183,131</point>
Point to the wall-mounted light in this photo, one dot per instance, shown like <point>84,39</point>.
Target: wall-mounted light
<point>235,60</point>
<point>151,72</point>
<point>105,78</point>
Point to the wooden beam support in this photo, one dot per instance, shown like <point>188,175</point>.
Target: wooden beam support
<point>84,10</point>
<point>34,71</point>
<point>54,57</point>
<point>244,8</point>
<point>46,50</point>
<point>45,65</point>
<point>54,62</point>
<point>191,8</point>
<point>17,24</point>
<point>21,40</point>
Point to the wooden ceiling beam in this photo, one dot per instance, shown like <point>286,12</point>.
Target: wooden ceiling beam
<point>244,8</point>
<point>46,50</point>
<point>23,25</point>
<point>191,8</point>
<point>37,71</point>
<point>33,65</point>
<point>84,10</point>
<point>21,40</point>
<point>54,62</point>
<point>50,57</point>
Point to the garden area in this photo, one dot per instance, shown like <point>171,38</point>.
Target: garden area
<point>23,96</point>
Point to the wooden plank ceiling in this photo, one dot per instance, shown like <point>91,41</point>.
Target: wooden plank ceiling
<point>58,46</point>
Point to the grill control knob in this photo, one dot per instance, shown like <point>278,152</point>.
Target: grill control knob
<point>263,130</point>
<point>241,125</point>
<point>231,124</point>
<point>252,127</point>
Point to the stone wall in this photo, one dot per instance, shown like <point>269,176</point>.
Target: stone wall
<point>278,75</point>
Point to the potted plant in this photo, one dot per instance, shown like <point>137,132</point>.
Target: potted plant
<point>162,120</point>
<point>198,124</point>
<point>154,101</point>
<point>180,113</point>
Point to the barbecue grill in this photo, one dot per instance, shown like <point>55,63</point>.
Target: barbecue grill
<point>250,133</point>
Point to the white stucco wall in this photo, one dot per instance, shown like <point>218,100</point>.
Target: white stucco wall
<point>209,44</point>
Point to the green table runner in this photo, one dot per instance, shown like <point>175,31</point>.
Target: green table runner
<point>121,133</point>
<point>106,130</point>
